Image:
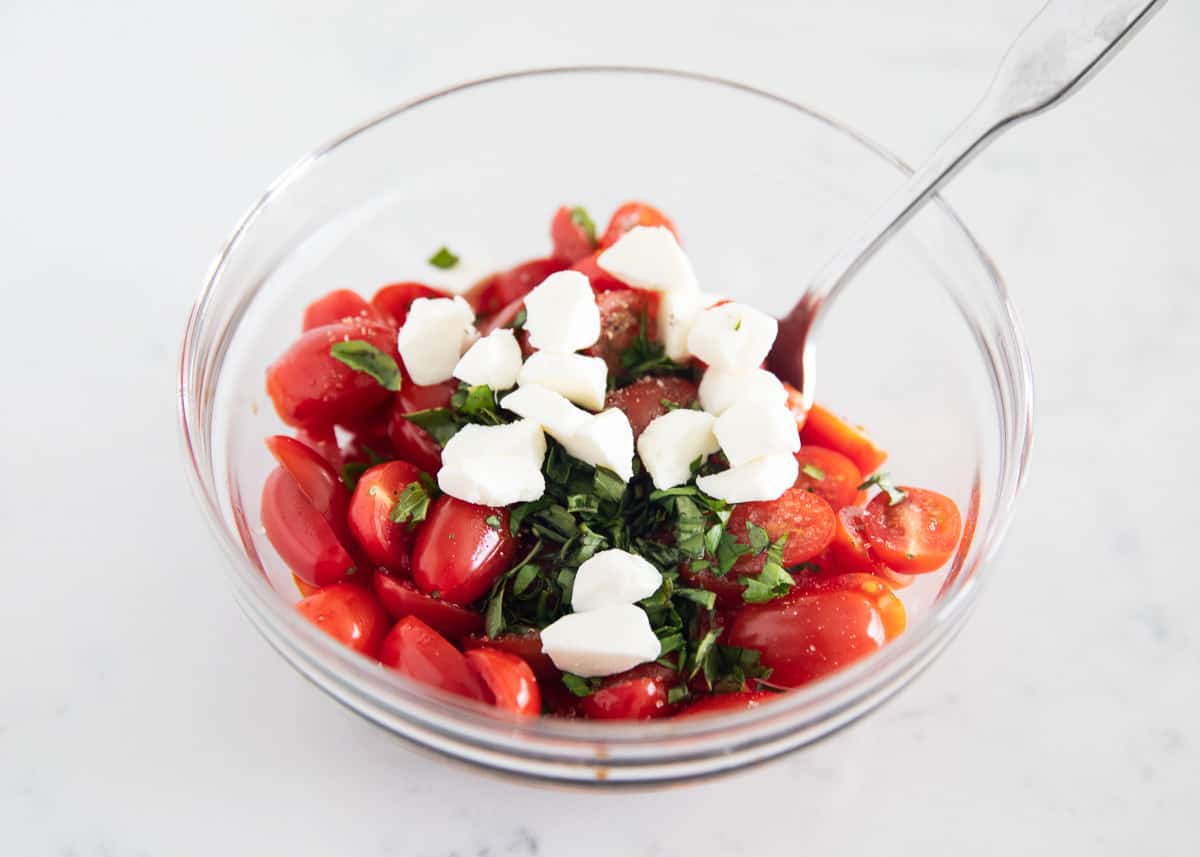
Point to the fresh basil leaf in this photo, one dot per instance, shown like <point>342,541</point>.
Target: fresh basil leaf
<point>412,505</point>
<point>884,482</point>
<point>492,521</point>
<point>813,471</point>
<point>759,540</point>
<point>443,259</point>
<point>580,218</point>
<point>439,422</point>
<point>362,356</point>
<point>352,471</point>
<point>607,485</point>
<point>579,685</point>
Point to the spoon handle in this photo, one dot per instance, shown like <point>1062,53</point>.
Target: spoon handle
<point>1062,46</point>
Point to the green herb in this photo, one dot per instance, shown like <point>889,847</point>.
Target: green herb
<point>580,218</point>
<point>362,356</point>
<point>492,521</point>
<point>884,482</point>
<point>677,694</point>
<point>352,471</point>
<point>579,685</point>
<point>759,540</point>
<point>476,404</point>
<point>770,583</point>
<point>413,503</point>
<point>645,357</point>
<point>443,259</point>
<point>439,422</point>
<point>813,471</point>
<point>518,320</point>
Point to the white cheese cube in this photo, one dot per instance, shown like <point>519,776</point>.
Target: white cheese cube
<point>522,440</point>
<point>494,360</point>
<point>601,642</point>
<point>561,313</point>
<point>605,440</point>
<point>493,480</point>
<point>649,257</point>
<point>763,478</point>
<point>732,336</point>
<point>612,578</point>
<point>721,388</point>
<point>581,379</point>
<point>435,334</point>
<point>751,429</point>
<point>677,313</point>
<point>670,444</point>
<point>558,417</point>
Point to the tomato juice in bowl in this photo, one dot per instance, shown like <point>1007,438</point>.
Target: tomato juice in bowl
<point>935,365</point>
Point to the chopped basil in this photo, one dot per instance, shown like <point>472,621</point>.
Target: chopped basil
<point>443,259</point>
<point>759,540</point>
<point>413,503</point>
<point>677,694</point>
<point>352,471</point>
<point>362,356</point>
<point>884,482</point>
<point>813,471</point>
<point>492,521</point>
<point>439,422</point>
<point>580,218</point>
<point>579,685</point>
<point>518,320</point>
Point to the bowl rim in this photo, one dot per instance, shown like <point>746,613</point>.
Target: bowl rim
<point>471,721</point>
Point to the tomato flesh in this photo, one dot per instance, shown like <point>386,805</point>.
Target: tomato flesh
<point>415,650</point>
<point>385,543</point>
<point>637,694</point>
<point>349,614</point>
<point>915,536</point>
<point>336,306</point>
<point>508,680</point>
<point>824,428</point>
<point>457,553</point>
<point>647,399</point>
<point>400,598</point>
<point>301,534</point>
<point>830,475</point>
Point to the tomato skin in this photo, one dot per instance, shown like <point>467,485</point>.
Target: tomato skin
<point>824,428</point>
<point>457,553</point>
<point>601,280</point>
<point>621,315</point>
<point>725,703</point>
<point>915,536</point>
<point>310,387</point>
<point>637,694</point>
<point>349,614</point>
<point>839,485</point>
<point>508,679</point>
<point>324,441</point>
<point>726,587</point>
<point>494,293</point>
<point>527,647</point>
<point>317,480</point>
<point>848,550</point>
<point>890,607</point>
<point>415,650</point>
<point>796,404</point>
<point>571,242</point>
<point>384,542</point>
<point>400,598</point>
<point>806,519</point>
<point>392,302</point>
<point>301,534</point>
<point>642,401</point>
<point>633,214</point>
<point>409,441</point>
<point>336,306</point>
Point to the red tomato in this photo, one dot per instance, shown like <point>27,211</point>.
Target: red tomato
<point>392,302</point>
<point>805,518</point>
<point>400,598</point>
<point>349,614</point>
<point>311,387</point>
<point>323,440</point>
<point>527,647</point>
<point>508,679</point>
<point>890,607</point>
<point>637,694</point>
<point>415,650</point>
<point>337,306</point>
<point>722,703</point>
<point>492,294</point>
<point>894,579</point>
<point>726,587</point>
<point>823,428</point>
<point>316,480</point>
<point>830,475</point>
<point>796,404</point>
<point>621,314</point>
<point>458,554</point>
<point>915,536</point>
<point>301,534</point>
<point>385,543</point>
<point>848,550</point>
<point>809,634</point>
<point>633,214</point>
<point>643,400</point>
<point>306,589</point>
<point>409,440</point>
<point>571,241</point>
<point>601,280</point>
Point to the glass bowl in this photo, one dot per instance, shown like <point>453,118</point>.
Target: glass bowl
<point>924,349</point>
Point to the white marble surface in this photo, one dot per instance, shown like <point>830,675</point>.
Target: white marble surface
<point>139,713</point>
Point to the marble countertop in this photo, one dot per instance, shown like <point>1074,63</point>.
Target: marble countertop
<point>141,715</point>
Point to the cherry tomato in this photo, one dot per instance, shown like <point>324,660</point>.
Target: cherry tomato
<point>823,428</point>
<point>323,440</point>
<point>415,650</point>
<point>725,587</point>
<point>400,598</point>
<point>915,536</point>
<point>722,703</point>
<point>527,647</point>
<point>645,399</point>
<point>309,386</point>
<point>317,480</point>
<point>571,241</point>
<point>508,679</point>
<point>409,440</point>
<point>301,534</point>
<point>337,306</point>
<point>306,589</point>
<point>392,302</point>
<point>894,579</point>
<point>830,475</point>
<point>385,543</point>
<point>492,294</point>
<point>601,280</point>
<point>890,607</point>
<point>633,214</point>
<point>637,694</point>
<point>806,520</point>
<point>848,551</point>
<point>349,614</point>
<point>796,404</point>
<point>458,554</point>
<point>621,314</point>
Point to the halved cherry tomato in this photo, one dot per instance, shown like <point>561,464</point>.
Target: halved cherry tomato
<point>492,294</point>
<point>417,651</point>
<point>392,302</point>
<point>824,428</point>
<point>301,534</point>
<point>725,587</point>
<point>890,607</point>
<point>796,404</point>
<point>571,241</point>
<point>386,543</point>
<point>915,536</point>
<point>830,475</point>
<point>400,598</point>
<point>806,520</point>
<point>409,440</point>
<point>457,553</point>
<point>621,314</point>
<point>646,399</point>
<point>848,551</point>
<point>637,694</point>
<point>316,480</point>
<point>508,679</point>
<point>633,214</point>
<point>723,703</point>
<point>323,440</point>
<point>601,280</point>
<point>349,614</point>
<point>338,305</point>
<point>309,386</point>
<point>306,589</point>
<point>527,647</point>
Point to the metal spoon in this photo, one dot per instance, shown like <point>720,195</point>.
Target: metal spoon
<point>1057,51</point>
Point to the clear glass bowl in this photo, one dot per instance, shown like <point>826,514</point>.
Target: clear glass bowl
<point>924,349</point>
